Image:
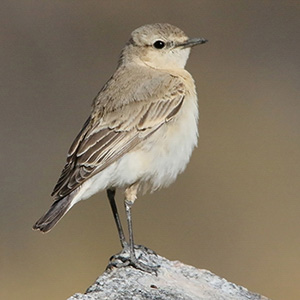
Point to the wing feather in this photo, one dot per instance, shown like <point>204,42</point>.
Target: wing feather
<point>108,135</point>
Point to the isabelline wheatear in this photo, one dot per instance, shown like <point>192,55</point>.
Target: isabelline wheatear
<point>141,131</point>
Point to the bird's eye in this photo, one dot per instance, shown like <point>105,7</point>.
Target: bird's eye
<point>159,44</point>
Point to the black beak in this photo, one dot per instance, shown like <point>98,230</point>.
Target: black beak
<point>192,42</point>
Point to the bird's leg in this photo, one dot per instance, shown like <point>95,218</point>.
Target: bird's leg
<point>128,255</point>
<point>133,261</point>
<point>111,197</point>
<point>128,205</point>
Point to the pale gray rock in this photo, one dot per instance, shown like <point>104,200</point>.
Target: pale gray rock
<point>174,280</point>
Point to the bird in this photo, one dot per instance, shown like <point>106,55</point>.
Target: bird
<point>140,134</point>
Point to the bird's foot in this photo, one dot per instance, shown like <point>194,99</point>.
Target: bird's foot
<point>126,258</point>
<point>145,249</point>
<point>134,262</point>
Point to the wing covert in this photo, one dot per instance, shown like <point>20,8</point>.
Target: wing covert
<point>111,134</point>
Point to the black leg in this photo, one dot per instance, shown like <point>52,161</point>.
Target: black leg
<point>128,205</point>
<point>111,196</point>
<point>127,257</point>
<point>133,259</point>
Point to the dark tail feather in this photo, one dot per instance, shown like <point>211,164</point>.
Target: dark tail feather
<point>58,209</point>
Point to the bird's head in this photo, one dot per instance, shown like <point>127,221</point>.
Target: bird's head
<point>160,46</point>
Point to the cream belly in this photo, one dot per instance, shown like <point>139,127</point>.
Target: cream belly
<point>168,151</point>
<point>157,163</point>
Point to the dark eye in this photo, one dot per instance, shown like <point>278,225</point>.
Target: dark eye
<point>159,44</point>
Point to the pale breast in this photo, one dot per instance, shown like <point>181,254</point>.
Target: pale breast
<point>165,154</point>
<point>171,148</point>
<point>160,158</point>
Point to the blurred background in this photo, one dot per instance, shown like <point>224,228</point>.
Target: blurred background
<point>234,211</point>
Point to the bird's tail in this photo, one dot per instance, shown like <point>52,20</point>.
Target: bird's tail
<point>58,209</point>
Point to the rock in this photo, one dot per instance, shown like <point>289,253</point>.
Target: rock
<point>174,280</point>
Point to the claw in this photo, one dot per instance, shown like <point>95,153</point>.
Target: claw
<point>143,267</point>
<point>145,249</point>
<point>125,258</point>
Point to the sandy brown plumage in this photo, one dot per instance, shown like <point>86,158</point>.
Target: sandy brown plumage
<point>114,129</point>
<point>141,131</point>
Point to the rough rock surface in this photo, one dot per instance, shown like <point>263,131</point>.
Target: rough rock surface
<point>174,280</point>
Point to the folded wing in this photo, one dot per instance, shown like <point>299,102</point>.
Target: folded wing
<point>107,136</point>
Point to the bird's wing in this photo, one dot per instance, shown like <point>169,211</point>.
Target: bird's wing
<point>109,134</point>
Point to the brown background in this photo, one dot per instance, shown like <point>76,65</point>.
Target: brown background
<point>235,210</point>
